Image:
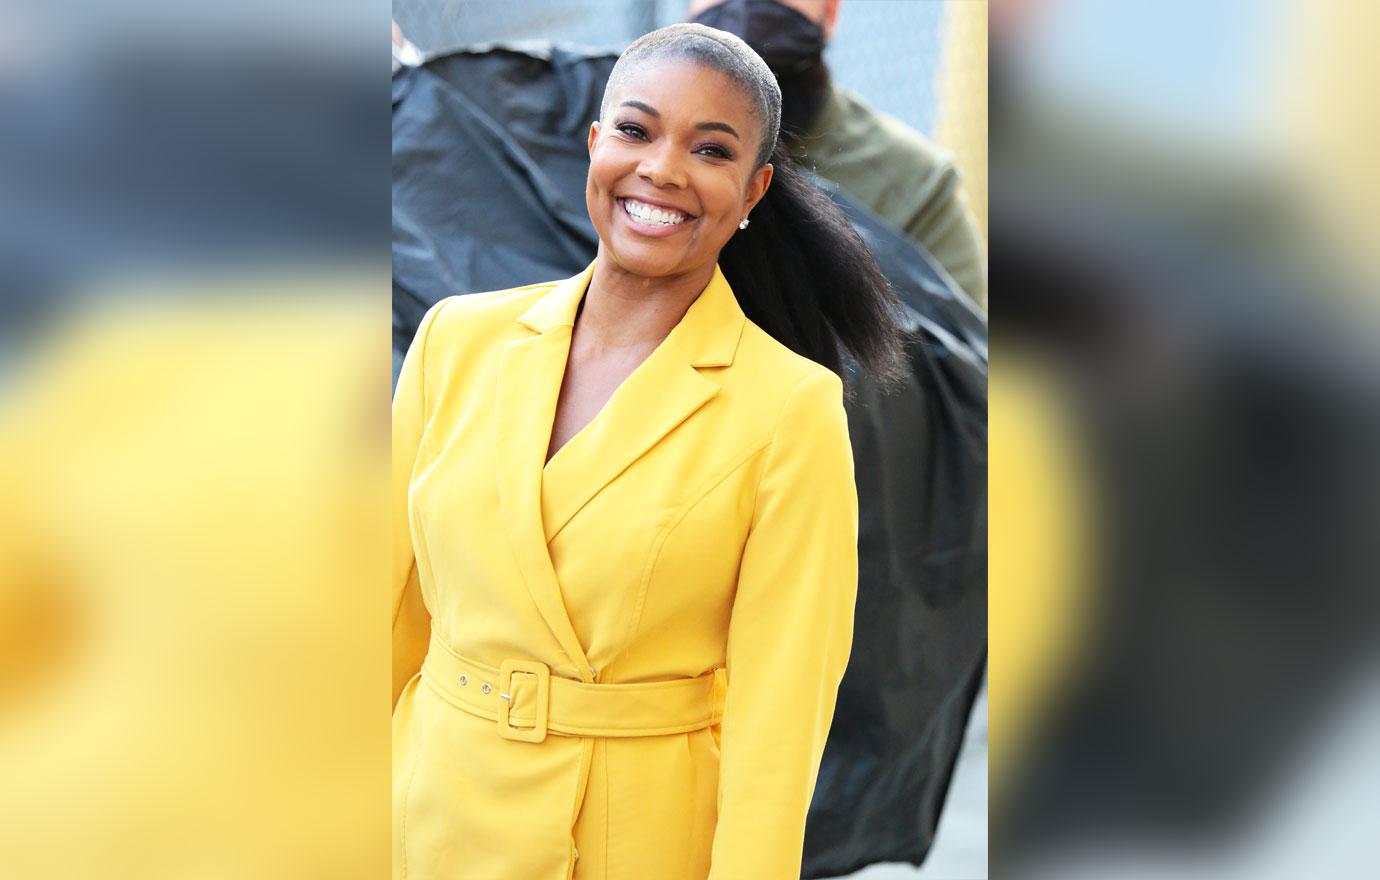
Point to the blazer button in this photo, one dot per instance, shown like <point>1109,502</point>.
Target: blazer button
<point>464,680</point>
<point>485,687</point>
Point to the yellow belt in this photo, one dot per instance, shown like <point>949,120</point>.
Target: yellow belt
<point>528,702</point>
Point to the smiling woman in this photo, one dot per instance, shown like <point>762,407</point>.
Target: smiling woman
<point>625,522</point>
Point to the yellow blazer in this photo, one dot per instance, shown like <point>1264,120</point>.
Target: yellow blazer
<point>621,664</point>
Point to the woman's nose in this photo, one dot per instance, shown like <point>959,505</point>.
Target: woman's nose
<point>663,165</point>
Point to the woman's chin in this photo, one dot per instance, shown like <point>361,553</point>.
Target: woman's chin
<point>648,260</point>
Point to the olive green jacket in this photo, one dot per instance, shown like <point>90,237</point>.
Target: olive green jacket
<point>904,178</point>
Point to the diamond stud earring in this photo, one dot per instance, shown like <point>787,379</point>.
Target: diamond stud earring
<point>744,224</point>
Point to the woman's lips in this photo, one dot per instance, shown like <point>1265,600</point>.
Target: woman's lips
<point>652,230</point>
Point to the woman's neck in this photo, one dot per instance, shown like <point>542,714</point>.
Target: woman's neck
<point>621,310</point>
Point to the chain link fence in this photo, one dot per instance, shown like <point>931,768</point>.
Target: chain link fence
<point>888,51</point>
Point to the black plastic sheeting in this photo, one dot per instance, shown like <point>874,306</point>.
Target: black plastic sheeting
<point>489,165</point>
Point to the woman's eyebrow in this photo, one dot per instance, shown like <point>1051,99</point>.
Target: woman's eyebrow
<point>645,108</point>
<point>703,126</point>
<point>718,126</point>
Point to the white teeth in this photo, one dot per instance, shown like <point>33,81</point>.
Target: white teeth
<point>644,213</point>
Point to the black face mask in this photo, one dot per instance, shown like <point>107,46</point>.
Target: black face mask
<point>792,46</point>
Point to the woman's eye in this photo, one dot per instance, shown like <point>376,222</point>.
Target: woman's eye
<point>631,130</point>
<point>714,151</point>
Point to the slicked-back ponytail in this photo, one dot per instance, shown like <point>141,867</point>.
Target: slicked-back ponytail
<point>801,273</point>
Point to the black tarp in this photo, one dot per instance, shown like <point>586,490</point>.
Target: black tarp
<point>489,166</point>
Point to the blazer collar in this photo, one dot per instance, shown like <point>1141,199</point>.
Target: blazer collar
<point>708,334</point>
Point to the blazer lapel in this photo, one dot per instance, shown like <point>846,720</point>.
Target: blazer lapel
<point>665,390</point>
<point>662,392</point>
<point>529,383</point>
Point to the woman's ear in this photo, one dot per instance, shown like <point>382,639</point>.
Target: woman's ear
<point>593,135</point>
<point>757,186</point>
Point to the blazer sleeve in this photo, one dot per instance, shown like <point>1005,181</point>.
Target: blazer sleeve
<point>411,619</point>
<point>790,635</point>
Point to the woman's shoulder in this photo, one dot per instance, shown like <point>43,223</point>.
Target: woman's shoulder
<point>779,391</point>
<point>466,314</point>
<point>796,409</point>
<point>780,373</point>
<point>460,333</point>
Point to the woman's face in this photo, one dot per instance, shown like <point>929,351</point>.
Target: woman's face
<point>671,168</point>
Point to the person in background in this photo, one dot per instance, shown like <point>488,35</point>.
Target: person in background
<point>894,170</point>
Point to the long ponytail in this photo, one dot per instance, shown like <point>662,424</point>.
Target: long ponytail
<point>801,273</point>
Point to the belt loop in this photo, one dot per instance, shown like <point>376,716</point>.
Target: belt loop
<point>543,700</point>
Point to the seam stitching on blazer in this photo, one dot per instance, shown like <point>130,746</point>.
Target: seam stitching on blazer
<point>709,487</point>
<point>780,417</point>
<point>658,542</point>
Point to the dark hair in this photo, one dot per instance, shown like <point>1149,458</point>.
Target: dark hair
<point>799,271</point>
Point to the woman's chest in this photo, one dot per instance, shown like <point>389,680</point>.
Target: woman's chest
<point>640,518</point>
<point>586,388</point>
<point>482,472</point>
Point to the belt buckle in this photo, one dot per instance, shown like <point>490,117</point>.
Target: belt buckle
<point>505,692</point>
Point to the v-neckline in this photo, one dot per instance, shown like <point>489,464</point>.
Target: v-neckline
<point>604,408</point>
<point>556,410</point>
<point>608,403</point>
<point>565,368</point>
